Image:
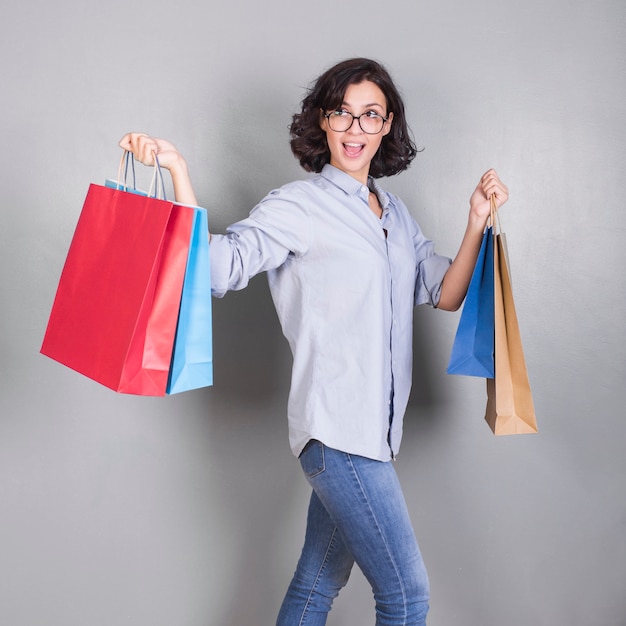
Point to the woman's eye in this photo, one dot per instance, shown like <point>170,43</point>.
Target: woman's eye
<point>340,113</point>
<point>371,114</point>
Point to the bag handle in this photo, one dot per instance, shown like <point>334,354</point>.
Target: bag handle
<point>126,160</point>
<point>157,185</point>
<point>494,216</point>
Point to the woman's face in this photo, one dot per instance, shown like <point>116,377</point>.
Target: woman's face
<point>352,150</point>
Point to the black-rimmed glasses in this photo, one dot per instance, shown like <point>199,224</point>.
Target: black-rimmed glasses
<point>341,120</point>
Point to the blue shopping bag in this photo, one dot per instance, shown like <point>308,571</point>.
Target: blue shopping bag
<point>473,349</point>
<point>192,360</point>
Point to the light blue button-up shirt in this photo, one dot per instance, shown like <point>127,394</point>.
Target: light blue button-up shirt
<point>344,284</point>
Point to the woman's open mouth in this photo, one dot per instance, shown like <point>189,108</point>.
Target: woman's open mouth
<point>353,149</point>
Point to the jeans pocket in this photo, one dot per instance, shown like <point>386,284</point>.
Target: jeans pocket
<point>312,458</point>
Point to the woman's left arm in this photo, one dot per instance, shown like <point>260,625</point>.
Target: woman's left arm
<point>457,278</point>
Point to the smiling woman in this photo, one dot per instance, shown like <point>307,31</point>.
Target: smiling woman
<point>308,140</point>
<point>346,263</point>
<point>352,148</point>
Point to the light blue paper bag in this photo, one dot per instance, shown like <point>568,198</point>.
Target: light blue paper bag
<point>192,361</point>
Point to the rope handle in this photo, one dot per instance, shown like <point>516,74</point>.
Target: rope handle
<point>126,161</point>
<point>157,184</point>
<point>494,220</point>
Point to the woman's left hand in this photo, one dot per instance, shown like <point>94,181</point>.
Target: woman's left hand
<point>489,185</point>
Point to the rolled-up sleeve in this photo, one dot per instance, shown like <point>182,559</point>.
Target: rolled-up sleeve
<point>431,271</point>
<point>430,267</point>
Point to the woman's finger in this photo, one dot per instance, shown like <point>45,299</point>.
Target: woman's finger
<point>142,146</point>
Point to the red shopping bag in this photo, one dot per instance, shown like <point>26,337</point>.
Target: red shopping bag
<point>115,312</point>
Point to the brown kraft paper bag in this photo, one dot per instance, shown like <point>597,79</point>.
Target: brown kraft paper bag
<point>510,409</point>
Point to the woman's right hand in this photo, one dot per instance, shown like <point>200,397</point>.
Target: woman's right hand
<point>144,147</point>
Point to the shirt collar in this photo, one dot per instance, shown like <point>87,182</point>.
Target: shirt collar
<point>352,186</point>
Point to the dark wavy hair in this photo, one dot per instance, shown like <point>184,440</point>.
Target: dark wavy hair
<point>308,140</point>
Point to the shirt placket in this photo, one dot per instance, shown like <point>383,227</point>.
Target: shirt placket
<point>385,226</point>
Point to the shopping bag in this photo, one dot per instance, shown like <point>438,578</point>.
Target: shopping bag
<point>510,409</point>
<point>115,312</point>
<point>473,348</point>
<point>192,361</point>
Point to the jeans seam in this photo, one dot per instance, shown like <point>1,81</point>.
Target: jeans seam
<point>384,539</point>
<point>317,577</point>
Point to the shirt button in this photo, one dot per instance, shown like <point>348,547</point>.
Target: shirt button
<point>365,190</point>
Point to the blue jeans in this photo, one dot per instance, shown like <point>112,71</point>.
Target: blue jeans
<point>357,514</point>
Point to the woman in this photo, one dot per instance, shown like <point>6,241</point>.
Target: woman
<point>346,264</point>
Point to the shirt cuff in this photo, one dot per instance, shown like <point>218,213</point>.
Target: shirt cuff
<point>430,279</point>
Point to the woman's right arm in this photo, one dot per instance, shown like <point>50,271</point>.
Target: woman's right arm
<point>144,147</point>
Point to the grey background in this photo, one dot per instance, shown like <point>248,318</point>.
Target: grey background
<point>189,510</point>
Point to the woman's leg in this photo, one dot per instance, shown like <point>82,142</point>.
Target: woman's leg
<point>364,501</point>
<point>323,569</point>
